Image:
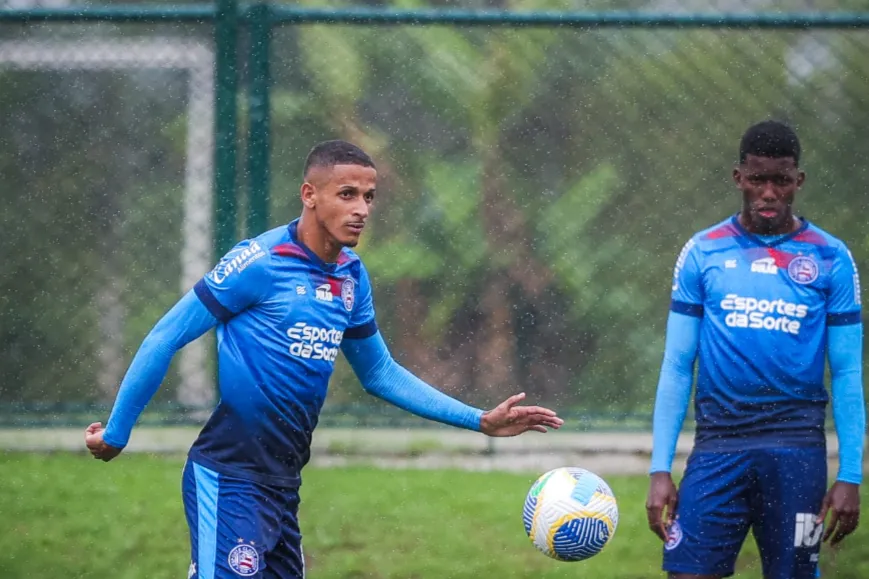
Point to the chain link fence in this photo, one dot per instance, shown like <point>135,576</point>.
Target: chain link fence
<point>537,181</point>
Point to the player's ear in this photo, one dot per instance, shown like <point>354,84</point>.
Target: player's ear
<point>737,174</point>
<point>307,194</point>
<point>801,178</point>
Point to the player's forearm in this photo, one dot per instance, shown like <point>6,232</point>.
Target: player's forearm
<point>671,406</point>
<point>383,377</point>
<point>845,345</point>
<point>674,389</point>
<point>185,322</point>
<point>141,382</point>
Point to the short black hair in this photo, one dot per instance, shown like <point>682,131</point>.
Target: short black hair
<point>770,139</point>
<point>331,153</point>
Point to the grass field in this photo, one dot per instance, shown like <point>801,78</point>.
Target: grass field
<point>67,516</point>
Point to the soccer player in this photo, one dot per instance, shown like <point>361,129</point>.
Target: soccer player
<point>761,301</point>
<point>284,303</point>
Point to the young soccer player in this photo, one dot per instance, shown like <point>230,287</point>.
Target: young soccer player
<point>760,300</point>
<point>283,304</point>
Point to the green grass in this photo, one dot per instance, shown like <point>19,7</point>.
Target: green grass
<point>68,516</point>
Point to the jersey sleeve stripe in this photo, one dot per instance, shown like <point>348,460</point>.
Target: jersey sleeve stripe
<point>217,309</point>
<point>844,318</point>
<point>694,310</point>
<point>361,332</point>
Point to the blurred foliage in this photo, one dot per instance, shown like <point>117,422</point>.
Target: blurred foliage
<point>536,187</point>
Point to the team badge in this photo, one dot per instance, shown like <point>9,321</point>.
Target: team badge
<point>674,536</point>
<point>244,560</point>
<point>347,294</point>
<point>803,269</point>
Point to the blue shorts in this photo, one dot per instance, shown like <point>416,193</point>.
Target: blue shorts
<point>775,492</point>
<point>240,528</point>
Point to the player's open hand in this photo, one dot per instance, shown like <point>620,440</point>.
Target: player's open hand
<point>93,439</point>
<point>843,503</point>
<point>508,419</point>
<point>661,504</point>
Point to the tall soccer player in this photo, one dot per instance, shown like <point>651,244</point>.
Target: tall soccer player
<point>762,300</point>
<point>283,304</point>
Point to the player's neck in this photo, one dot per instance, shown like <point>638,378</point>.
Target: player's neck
<point>788,227</point>
<point>316,239</point>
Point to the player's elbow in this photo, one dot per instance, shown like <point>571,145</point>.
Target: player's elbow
<point>845,370</point>
<point>375,387</point>
<point>158,343</point>
<point>678,366</point>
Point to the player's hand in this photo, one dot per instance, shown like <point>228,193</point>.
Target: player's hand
<point>507,419</point>
<point>843,503</point>
<point>661,504</point>
<point>93,439</point>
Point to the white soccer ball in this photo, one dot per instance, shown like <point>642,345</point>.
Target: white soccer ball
<point>570,514</point>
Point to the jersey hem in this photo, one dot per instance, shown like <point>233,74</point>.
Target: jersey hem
<point>741,444</point>
<point>271,480</point>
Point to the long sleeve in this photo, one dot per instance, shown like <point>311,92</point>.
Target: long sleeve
<point>674,388</point>
<point>185,322</point>
<point>383,377</point>
<point>845,351</point>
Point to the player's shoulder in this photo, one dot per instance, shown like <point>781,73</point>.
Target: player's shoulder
<point>349,263</point>
<point>281,243</point>
<point>720,234</point>
<point>348,258</point>
<point>273,238</point>
<point>823,240</point>
<point>249,255</point>
<point>714,237</point>
<point>261,244</point>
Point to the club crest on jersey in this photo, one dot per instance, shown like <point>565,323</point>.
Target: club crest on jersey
<point>348,293</point>
<point>674,536</point>
<point>803,269</point>
<point>244,560</point>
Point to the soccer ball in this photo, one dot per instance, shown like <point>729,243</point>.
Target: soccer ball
<point>570,514</point>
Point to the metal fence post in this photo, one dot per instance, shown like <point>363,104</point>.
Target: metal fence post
<point>258,113</point>
<point>226,96</point>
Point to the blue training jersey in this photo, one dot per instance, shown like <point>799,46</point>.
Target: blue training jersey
<point>283,314</point>
<point>765,308</point>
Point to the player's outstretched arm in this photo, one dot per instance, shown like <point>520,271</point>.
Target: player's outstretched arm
<point>185,322</point>
<point>842,501</point>
<point>671,405</point>
<point>383,377</point>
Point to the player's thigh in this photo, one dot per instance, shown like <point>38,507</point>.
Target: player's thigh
<point>791,484</point>
<point>287,560</point>
<point>712,518</point>
<point>234,524</point>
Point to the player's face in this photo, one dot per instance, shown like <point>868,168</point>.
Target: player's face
<point>768,187</point>
<point>341,198</point>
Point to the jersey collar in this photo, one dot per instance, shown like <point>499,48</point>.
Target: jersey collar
<point>757,240</point>
<point>292,229</point>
